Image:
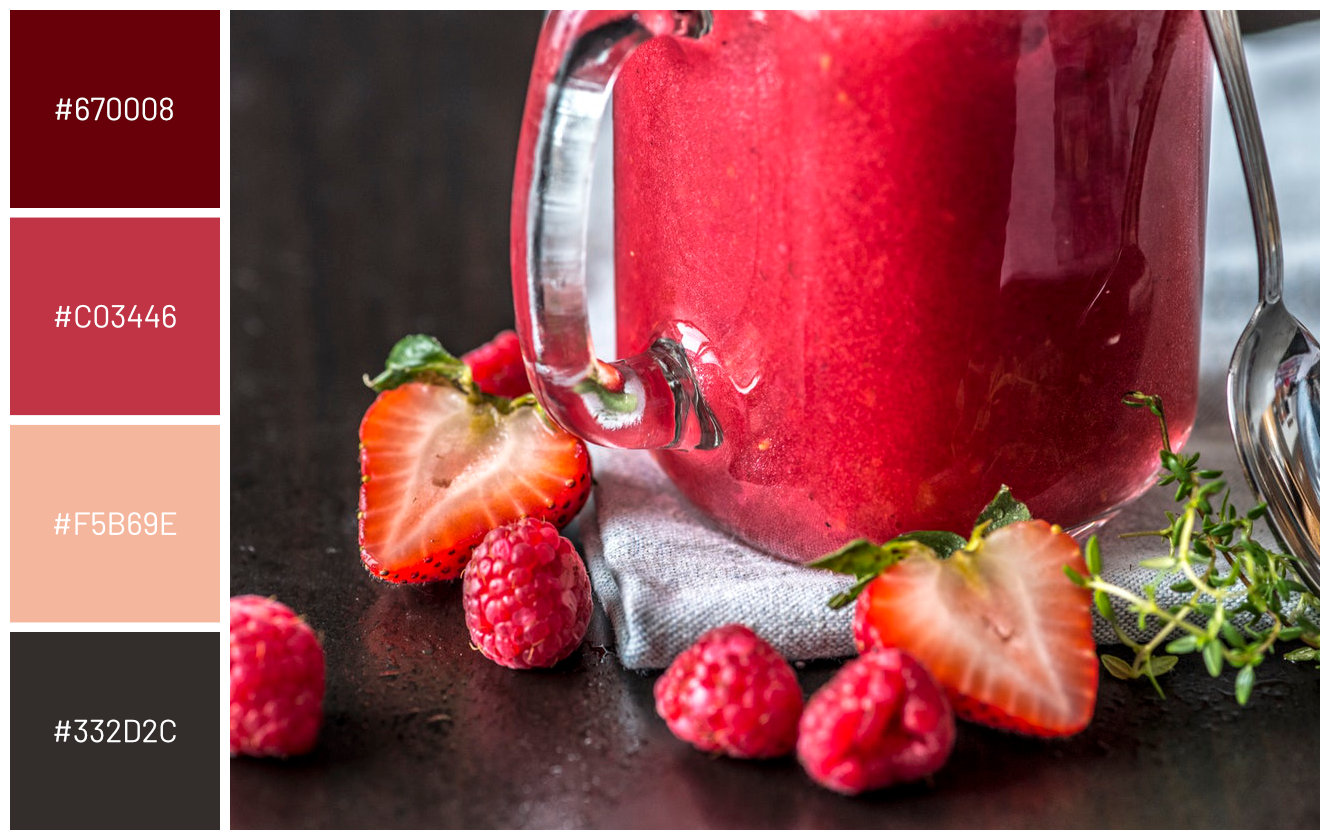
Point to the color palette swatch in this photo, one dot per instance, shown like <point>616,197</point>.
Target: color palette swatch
<point>114,730</point>
<point>115,109</point>
<point>114,523</point>
<point>114,316</point>
<point>115,502</point>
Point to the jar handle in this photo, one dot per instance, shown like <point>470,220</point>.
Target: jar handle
<point>648,401</point>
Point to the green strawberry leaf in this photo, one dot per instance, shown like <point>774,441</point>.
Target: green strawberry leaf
<point>859,558</point>
<point>420,358</point>
<point>943,543</point>
<point>1002,511</point>
<point>618,402</point>
<point>864,561</point>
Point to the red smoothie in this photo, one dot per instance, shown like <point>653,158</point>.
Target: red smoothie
<point>915,256</point>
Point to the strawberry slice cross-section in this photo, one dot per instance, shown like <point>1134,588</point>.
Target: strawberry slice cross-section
<point>998,624</point>
<point>443,463</point>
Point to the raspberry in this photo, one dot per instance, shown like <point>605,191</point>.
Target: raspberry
<point>276,679</point>
<point>526,595</point>
<point>880,720</point>
<point>732,693</point>
<point>497,366</point>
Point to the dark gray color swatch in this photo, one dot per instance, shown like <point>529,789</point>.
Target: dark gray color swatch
<point>108,676</point>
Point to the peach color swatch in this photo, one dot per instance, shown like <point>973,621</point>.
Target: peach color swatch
<point>121,481</point>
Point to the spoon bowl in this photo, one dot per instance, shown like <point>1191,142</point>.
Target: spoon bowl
<point>1274,384</point>
<point>1274,378</point>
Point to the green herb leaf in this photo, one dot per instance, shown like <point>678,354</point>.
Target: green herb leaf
<point>1231,635</point>
<point>1186,644</point>
<point>1304,654</point>
<point>1164,563</point>
<point>1161,665</point>
<point>1117,667</point>
<point>1093,561</point>
<point>1243,685</point>
<point>1102,604</point>
<point>1230,582</point>
<point>1075,576</point>
<point>1213,654</point>
<point>420,358</point>
<point>1258,602</point>
<point>1283,589</point>
<point>1002,511</point>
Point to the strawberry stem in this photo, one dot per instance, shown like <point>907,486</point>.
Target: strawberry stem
<point>866,561</point>
<point>618,402</point>
<point>421,358</point>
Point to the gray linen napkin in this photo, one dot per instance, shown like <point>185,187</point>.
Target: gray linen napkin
<point>665,574</point>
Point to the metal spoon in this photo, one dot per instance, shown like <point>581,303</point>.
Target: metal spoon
<point>1274,379</point>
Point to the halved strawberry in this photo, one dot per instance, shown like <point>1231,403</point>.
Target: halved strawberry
<point>442,463</point>
<point>998,624</point>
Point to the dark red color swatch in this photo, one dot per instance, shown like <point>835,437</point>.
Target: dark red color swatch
<point>140,367</point>
<point>56,56</point>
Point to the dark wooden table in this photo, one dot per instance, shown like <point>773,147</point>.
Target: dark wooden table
<point>371,169</point>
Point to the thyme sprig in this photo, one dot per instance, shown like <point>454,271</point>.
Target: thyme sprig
<point>1242,597</point>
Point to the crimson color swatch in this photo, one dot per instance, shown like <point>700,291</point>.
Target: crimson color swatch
<point>115,316</point>
<point>64,161</point>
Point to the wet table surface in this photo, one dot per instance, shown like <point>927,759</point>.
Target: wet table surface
<point>371,169</point>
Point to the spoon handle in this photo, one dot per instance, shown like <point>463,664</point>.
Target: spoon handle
<point>1226,41</point>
